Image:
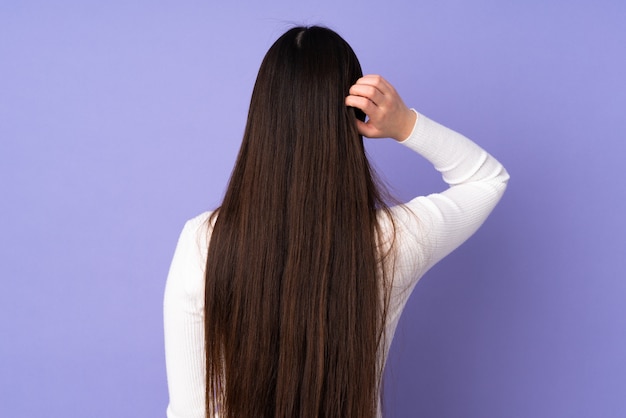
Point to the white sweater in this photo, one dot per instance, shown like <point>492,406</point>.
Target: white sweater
<point>428,228</point>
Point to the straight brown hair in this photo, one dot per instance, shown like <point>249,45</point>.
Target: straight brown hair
<point>296,290</point>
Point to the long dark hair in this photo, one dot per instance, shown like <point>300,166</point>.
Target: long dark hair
<point>296,294</point>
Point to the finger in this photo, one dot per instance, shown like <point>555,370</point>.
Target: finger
<point>377,81</point>
<point>371,79</point>
<point>363,103</point>
<point>368,91</point>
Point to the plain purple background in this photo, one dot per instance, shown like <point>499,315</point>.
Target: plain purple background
<point>120,120</point>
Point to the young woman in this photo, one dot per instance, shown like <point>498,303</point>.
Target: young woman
<point>284,301</point>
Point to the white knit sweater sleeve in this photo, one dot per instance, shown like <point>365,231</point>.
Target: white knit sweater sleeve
<point>430,227</point>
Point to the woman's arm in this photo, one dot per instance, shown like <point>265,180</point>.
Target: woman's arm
<point>476,182</point>
<point>430,227</point>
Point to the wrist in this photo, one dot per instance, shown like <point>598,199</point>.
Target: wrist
<point>408,125</point>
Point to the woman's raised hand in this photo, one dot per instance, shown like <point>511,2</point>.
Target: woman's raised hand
<point>388,116</point>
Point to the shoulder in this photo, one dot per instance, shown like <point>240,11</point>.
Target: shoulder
<point>195,233</point>
<point>198,222</point>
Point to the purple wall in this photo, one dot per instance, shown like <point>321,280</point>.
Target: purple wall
<point>119,122</point>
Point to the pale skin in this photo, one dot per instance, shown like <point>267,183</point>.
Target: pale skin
<point>388,116</point>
